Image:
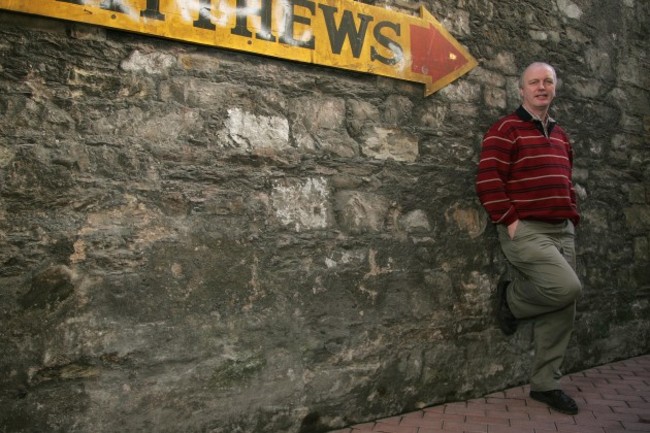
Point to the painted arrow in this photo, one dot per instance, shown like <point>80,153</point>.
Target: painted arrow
<point>337,33</point>
<point>436,54</point>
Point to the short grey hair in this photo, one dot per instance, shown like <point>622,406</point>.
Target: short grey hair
<point>521,77</point>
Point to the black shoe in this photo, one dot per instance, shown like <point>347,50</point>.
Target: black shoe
<point>507,320</point>
<point>557,400</point>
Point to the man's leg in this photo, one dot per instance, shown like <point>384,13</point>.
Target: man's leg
<point>552,332</point>
<point>544,288</point>
<point>543,256</point>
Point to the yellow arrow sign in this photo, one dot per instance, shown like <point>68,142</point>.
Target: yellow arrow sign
<point>339,33</point>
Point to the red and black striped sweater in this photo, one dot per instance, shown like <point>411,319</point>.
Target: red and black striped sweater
<point>525,171</point>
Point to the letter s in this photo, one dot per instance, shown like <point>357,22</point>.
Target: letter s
<point>388,43</point>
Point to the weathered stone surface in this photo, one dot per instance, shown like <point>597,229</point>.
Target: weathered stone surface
<point>198,240</point>
<point>359,212</point>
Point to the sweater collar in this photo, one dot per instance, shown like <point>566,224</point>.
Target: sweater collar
<point>544,127</point>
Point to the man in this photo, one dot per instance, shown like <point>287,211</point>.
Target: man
<point>524,183</point>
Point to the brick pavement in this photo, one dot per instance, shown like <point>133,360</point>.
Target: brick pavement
<point>612,398</point>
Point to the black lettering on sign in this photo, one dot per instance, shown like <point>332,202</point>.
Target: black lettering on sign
<point>291,17</point>
<point>346,29</point>
<point>241,23</point>
<point>204,16</point>
<point>385,41</point>
<point>153,11</point>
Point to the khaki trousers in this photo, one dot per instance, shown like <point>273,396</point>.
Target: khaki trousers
<point>544,289</point>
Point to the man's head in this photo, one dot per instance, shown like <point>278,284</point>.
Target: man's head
<point>537,88</point>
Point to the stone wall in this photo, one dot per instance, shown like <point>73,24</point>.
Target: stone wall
<point>198,240</point>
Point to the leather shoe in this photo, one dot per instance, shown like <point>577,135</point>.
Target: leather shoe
<point>557,400</point>
<point>507,320</point>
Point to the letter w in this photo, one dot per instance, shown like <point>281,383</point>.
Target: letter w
<point>347,29</point>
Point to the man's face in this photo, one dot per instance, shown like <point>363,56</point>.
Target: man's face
<point>538,89</point>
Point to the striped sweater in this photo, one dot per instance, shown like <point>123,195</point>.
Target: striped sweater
<point>525,171</point>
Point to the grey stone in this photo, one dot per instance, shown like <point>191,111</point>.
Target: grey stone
<point>359,212</point>
<point>390,143</point>
<point>151,63</point>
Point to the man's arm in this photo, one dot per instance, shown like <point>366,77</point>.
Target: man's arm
<point>492,176</point>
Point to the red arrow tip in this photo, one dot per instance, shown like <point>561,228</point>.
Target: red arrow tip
<point>432,54</point>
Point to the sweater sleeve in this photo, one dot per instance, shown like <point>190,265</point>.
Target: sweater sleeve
<point>493,172</point>
<point>574,198</point>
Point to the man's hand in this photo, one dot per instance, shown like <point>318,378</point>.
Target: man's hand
<point>512,228</point>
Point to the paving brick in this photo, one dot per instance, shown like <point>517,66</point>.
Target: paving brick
<point>499,394</point>
<point>637,426</point>
<point>393,428</point>
<point>458,409</point>
<point>444,417</point>
<point>365,427</point>
<point>555,417</point>
<point>533,424</point>
<point>421,422</point>
<point>580,429</point>
<point>583,416</point>
<point>537,409</point>
<point>609,377</point>
<point>392,420</point>
<point>415,418</point>
<point>515,414</point>
<point>508,402</point>
<point>617,416</point>
<point>642,405</point>
<point>464,427</point>
<point>633,410</point>
<point>435,409</point>
<point>506,429</point>
<point>431,430</point>
<point>598,408</point>
<point>623,397</point>
<point>567,428</point>
<point>498,403</point>
<point>621,430</point>
<point>604,423</point>
<point>613,398</point>
<point>628,391</point>
<point>519,392</point>
<point>488,420</point>
<point>605,402</point>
